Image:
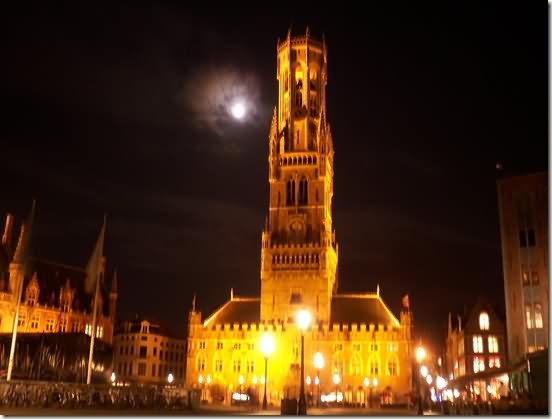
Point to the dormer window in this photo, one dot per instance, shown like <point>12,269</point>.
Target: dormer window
<point>31,298</point>
<point>484,320</point>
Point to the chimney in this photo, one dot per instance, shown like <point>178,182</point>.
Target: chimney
<point>7,234</point>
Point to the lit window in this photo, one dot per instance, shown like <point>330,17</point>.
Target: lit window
<point>50,325</point>
<point>237,345</point>
<point>356,347</point>
<point>99,332</point>
<point>88,329</point>
<point>492,342</point>
<point>202,344</point>
<point>356,365</point>
<point>63,325</point>
<point>484,321</point>
<point>529,317</point>
<point>374,366</point>
<point>201,364</point>
<point>393,347</point>
<point>220,345</point>
<point>538,316</point>
<point>35,320</point>
<point>237,365</point>
<point>141,368</point>
<point>338,347</point>
<point>477,344</point>
<point>250,366</point>
<point>494,362</point>
<point>373,347</point>
<point>21,320</point>
<point>478,364</point>
<point>392,367</point>
<point>218,365</point>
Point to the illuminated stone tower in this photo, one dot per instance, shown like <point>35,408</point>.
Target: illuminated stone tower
<point>299,252</point>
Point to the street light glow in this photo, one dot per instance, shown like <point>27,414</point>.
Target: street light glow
<point>318,361</point>
<point>375,382</point>
<point>424,371</point>
<point>170,377</point>
<point>429,380</point>
<point>420,354</point>
<point>303,319</point>
<point>336,378</point>
<point>366,382</point>
<point>267,344</point>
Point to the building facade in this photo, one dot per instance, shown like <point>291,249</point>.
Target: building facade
<point>54,297</point>
<point>476,350</point>
<point>523,210</point>
<point>360,339</point>
<point>143,353</point>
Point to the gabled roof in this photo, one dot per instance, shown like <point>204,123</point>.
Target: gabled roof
<point>366,308</point>
<point>237,310</point>
<point>52,277</point>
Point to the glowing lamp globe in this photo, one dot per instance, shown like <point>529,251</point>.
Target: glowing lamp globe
<point>267,344</point>
<point>303,319</point>
<point>318,361</point>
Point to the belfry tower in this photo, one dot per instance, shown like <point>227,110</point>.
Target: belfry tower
<point>299,252</point>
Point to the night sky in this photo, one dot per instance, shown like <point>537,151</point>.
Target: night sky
<point>122,109</point>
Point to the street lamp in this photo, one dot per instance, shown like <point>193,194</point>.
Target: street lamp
<point>336,380</point>
<point>267,347</point>
<point>170,378</point>
<point>318,364</point>
<point>366,383</point>
<point>374,385</point>
<point>303,319</point>
<point>424,371</point>
<point>420,356</point>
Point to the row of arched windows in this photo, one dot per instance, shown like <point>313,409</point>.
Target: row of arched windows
<point>303,192</point>
<point>372,367</point>
<point>308,258</point>
<point>297,160</point>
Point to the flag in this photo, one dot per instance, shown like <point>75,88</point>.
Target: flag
<point>95,263</point>
<point>406,302</point>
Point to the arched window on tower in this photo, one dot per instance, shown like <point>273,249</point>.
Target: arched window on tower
<point>303,192</point>
<point>290,192</point>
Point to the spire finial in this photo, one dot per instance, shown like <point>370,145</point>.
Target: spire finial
<point>378,290</point>
<point>231,294</point>
<point>194,303</point>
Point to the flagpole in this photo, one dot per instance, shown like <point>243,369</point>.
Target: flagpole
<point>93,332</point>
<point>14,333</point>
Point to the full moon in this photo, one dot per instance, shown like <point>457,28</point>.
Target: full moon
<point>238,110</point>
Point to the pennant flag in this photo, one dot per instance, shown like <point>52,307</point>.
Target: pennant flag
<point>95,263</point>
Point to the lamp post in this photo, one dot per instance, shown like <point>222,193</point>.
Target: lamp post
<point>375,386</point>
<point>267,347</point>
<point>336,380</point>
<point>366,383</point>
<point>318,364</point>
<point>420,356</point>
<point>303,320</point>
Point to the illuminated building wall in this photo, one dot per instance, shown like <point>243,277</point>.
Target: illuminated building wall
<point>356,333</point>
<point>146,354</point>
<point>53,299</point>
<point>523,209</point>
